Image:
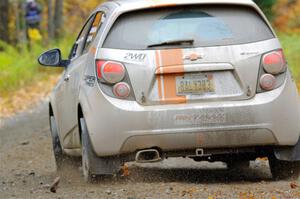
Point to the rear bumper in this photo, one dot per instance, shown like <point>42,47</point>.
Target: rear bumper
<point>118,126</point>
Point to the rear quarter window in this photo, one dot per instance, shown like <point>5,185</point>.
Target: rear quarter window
<point>206,25</point>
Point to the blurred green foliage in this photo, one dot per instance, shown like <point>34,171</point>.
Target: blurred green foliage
<point>19,66</point>
<point>266,6</point>
<point>291,46</point>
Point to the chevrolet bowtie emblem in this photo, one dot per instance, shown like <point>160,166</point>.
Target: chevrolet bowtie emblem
<point>193,57</point>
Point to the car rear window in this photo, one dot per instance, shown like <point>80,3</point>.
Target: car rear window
<point>206,25</point>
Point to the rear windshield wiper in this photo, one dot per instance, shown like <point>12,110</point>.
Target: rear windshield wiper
<point>173,42</point>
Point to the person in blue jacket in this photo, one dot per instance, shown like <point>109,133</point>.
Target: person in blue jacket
<point>33,14</point>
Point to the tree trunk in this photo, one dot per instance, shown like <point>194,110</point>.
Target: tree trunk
<point>18,28</point>
<point>4,20</point>
<point>50,20</point>
<point>58,17</point>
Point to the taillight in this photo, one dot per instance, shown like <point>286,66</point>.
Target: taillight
<point>267,82</point>
<point>274,62</point>
<point>273,69</point>
<point>111,72</point>
<point>121,90</point>
<point>112,78</point>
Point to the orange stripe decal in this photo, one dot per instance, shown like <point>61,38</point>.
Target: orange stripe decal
<point>170,91</point>
<point>158,77</point>
<point>169,70</point>
<point>160,4</point>
<point>171,58</point>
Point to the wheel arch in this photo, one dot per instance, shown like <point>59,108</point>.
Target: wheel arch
<point>51,113</point>
<point>50,109</point>
<point>79,116</point>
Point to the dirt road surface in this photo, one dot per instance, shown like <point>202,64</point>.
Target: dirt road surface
<point>27,170</point>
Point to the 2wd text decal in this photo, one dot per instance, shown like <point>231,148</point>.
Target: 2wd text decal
<point>140,57</point>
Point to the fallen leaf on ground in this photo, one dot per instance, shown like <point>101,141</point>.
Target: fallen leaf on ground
<point>294,185</point>
<point>246,195</point>
<point>263,159</point>
<point>54,185</point>
<point>125,171</point>
<point>189,192</point>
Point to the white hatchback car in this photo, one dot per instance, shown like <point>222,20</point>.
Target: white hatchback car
<point>202,79</point>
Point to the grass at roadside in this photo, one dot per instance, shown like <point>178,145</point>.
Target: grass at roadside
<point>26,97</point>
<point>19,67</point>
<point>291,46</point>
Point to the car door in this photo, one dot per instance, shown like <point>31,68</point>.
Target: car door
<point>72,78</point>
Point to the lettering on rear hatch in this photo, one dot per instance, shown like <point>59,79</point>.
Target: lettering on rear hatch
<point>136,57</point>
<point>216,116</point>
<point>249,53</point>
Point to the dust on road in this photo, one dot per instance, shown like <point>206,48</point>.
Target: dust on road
<point>27,170</point>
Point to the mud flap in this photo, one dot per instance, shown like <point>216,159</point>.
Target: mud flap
<point>99,165</point>
<point>290,154</point>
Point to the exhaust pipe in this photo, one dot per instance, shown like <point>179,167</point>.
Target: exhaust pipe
<point>147,156</point>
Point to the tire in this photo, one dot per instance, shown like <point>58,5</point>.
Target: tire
<point>92,165</point>
<point>283,170</point>
<point>60,157</point>
<point>238,164</point>
<point>87,153</point>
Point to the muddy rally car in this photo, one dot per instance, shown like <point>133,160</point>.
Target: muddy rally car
<point>148,80</point>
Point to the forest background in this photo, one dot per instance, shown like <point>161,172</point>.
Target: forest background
<point>20,75</point>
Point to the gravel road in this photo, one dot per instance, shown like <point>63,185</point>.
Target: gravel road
<point>27,170</point>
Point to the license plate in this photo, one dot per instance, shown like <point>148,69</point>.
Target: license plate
<point>195,84</point>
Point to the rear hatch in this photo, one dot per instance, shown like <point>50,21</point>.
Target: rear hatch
<point>189,54</point>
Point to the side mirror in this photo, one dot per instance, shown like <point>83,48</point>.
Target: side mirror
<point>52,58</point>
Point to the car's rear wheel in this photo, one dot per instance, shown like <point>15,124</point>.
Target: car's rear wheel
<point>60,158</point>
<point>92,165</point>
<point>87,153</point>
<point>282,170</point>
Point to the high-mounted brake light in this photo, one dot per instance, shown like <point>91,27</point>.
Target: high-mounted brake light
<point>274,62</point>
<point>110,71</point>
